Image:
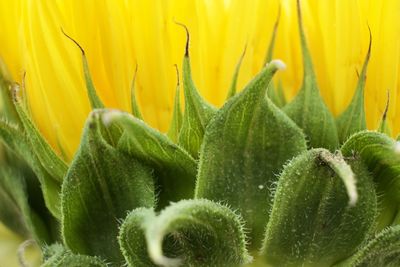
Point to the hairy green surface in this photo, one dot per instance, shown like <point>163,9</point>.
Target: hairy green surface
<point>383,250</point>
<point>101,186</point>
<point>197,113</point>
<point>316,220</point>
<point>61,257</point>
<point>174,169</point>
<point>196,230</point>
<point>381,155</point>
<point>245,147</point>
<point>308,109</point>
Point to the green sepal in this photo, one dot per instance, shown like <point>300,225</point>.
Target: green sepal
<point>308,109</point>
<point>101,186</point>
<point>383,250</point>
<point>275,94</point>
<point>381,155</point>
<point>49,160</point>
<point>132,238</point>
<point>318,216</point>
<point>384,124</point>
<point>202,233</point>
<point>175,169</point>
<point>197,112</point>
<point>58,256</point>
<point>94,99</point>
<point>233,87</point>
<point>7,107</point>
<point>15,210</point>
<point>134,104</point>
<point>18,142</point>
<point>177,117</point>
<point>245,146</point>
<point>353,119</point>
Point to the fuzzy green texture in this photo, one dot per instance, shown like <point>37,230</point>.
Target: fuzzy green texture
<point>257,178</point>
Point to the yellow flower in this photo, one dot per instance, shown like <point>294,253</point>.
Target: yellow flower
<point>117,35</point>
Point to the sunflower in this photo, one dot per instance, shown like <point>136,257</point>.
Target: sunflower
<point>341,77</point>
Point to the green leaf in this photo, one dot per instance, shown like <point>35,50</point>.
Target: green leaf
<point>383,250</point>
<point>17,141</point>
<point>233,88</point>
<point>245,146</point>
<point>318,216</point>
<point>308,109</point>
<point>381,156</point>
<point>101,185</point>
<point>94,99</point>
<point>176,123</point>
<point>134,104</point>
<point>353,119</point>
<point>61,257</point>
<point>15,210</point>
<point>197,113</point>
<point>175,169</point>
<point>204,233</point>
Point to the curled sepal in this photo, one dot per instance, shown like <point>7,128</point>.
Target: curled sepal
<point>49,160</point>
<point>58,256</point>
<point>353,119</point>
<point>101,185</point>
<point>175,169</point>
<point>132,238</point>
<point>201,233</point>
<point>245,146</point>
<point>381,155</point>
<point>383,250</point>
<point>197,112</point>
<point>308,109</point>
<point>319,217</point>
<point>18,142</point>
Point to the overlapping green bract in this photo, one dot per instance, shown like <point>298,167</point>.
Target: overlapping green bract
<point>101,186</point>
<point>245,147</point>
<point>190,232</point>
<point>127,196</point>
<point>381,155</point>
<point>321,224</point>
<point>57,255</point>
<point>382,250</point>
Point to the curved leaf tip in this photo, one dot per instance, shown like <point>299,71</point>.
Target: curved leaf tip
<point>279,64</point>
<point>344,171</point>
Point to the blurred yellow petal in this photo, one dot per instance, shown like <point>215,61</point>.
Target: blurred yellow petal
<point>118,35</point>
<point>9,244</point>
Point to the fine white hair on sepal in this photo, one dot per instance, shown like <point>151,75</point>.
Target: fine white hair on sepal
<point>280,65</point>
<point>109,116</point>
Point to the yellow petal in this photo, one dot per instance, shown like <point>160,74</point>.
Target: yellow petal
<point>118,35</point>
